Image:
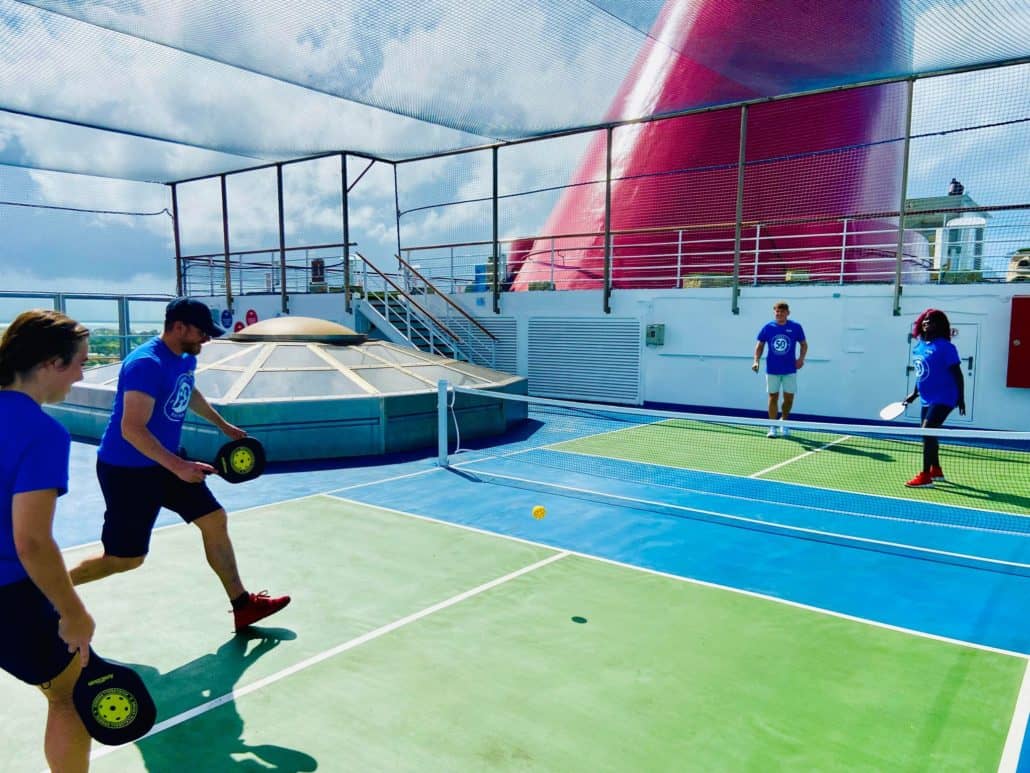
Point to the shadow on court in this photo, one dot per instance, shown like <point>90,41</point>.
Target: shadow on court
<point>214,741</point>
<point>842,449</point>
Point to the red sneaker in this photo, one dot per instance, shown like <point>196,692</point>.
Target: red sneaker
<point>258,607</point>
<point>936,473</point>
<point>921,480</point>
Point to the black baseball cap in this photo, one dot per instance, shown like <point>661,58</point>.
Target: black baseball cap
<point>192,312</point>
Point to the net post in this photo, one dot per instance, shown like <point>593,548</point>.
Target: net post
<point>441,422</point>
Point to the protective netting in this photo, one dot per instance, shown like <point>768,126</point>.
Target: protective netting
<point>832,482</point>
<point>819,190</point>
<point>186,88</point>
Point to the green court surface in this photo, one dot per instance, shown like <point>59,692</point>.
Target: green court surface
<point>978,477</point>
<point>657,673</point>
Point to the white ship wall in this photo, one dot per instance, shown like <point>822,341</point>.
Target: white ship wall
<point>858,350</point>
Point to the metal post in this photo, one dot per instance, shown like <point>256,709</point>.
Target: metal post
<point>441,423</point>
<point>397,220</point>
<point>608,222</point>
<point>452,269</point>
<point>552,262</point>
<point>843,249</point>
<point>901,203</point>
<point>739,218</point>
<point>679,257</point>
<point>344,195</point>
<point>123,327</point>
<point>282,239</point>
<point>225,244</point>
<point>179,274</point>
<point>758,236</point>
<point>496,245</point>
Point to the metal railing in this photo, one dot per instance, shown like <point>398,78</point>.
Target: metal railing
<point>251,272</point>
<point>480,343</point>
<point>396,306</point>
<point>856,249</point>
<point>118,323</point>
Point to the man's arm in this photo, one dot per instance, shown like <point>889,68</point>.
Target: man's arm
<point>136,412</point>
<point>32,519</point>
<point>759,348</point>
<point>200,406</point>
<point>801,360</point>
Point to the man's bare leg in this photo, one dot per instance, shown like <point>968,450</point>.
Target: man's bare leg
<point>98,567</point>
<point>214,530</point>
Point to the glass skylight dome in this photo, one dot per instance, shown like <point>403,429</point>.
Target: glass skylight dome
<point>312,389</point>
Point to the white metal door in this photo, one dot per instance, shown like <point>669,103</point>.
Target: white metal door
<point>966,337</point>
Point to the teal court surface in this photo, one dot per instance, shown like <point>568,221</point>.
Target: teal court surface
<point>664,615</point>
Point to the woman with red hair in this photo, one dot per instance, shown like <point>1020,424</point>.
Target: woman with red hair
<point>939,383</point>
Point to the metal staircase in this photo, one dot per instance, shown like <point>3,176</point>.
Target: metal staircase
<point>398,305</point>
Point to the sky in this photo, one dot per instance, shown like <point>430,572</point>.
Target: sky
<point>47,249</point>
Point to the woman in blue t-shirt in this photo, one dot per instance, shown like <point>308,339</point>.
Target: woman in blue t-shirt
<point>46,639</point>
<point>939,383</point>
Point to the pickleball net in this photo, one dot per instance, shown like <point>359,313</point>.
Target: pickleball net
<point>834,482</point>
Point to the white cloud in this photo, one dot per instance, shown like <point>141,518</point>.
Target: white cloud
<point>14,280</point>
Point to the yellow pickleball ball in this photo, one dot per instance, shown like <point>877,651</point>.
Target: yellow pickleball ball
<point>539,512</point>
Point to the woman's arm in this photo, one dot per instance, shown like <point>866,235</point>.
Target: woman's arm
<point>960,382</point>
<point>32,518</point>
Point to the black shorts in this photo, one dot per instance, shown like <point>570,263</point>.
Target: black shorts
<point>31,650</point>
<point>934,414</point>
<point>135,495</point>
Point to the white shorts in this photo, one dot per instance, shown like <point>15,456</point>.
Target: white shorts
<point>788,382</point>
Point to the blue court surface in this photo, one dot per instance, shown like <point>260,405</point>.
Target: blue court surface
<point>410,548</point>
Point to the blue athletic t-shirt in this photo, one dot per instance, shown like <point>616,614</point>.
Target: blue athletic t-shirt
<point>33,457</point>
<point>782,342</point>
<point>932,361</point>
<point>167,377</point>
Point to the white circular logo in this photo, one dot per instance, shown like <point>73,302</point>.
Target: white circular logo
<point>920,366</point>
<point>780,344</point>
<point>179,399</point>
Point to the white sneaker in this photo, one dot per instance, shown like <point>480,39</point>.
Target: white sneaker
<point>771,432</point>
<point>784,431</point>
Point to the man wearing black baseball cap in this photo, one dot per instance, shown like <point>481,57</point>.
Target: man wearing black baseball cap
<point>192,312</point>
<point>140,470</point>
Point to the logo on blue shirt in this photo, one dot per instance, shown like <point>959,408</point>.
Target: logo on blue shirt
<point>919,363</point>
<point>780,343</point>
<point>179,399</point>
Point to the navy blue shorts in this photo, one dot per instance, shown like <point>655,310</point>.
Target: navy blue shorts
<point>135,495</point>
<point>31,650</point>
<point>934,414</point>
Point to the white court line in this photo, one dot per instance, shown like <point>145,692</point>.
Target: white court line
<point>276,503</point>
<point>203,708</point>
<point>705,583</point>
<point>1014,740</point>
<point>768,525</point>
<point>234,512</point>
<point>800,456</point>
<point>383,480</point>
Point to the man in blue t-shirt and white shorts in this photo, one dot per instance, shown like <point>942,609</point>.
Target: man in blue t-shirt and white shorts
<point>140,470</point>
<point>782,364</point>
